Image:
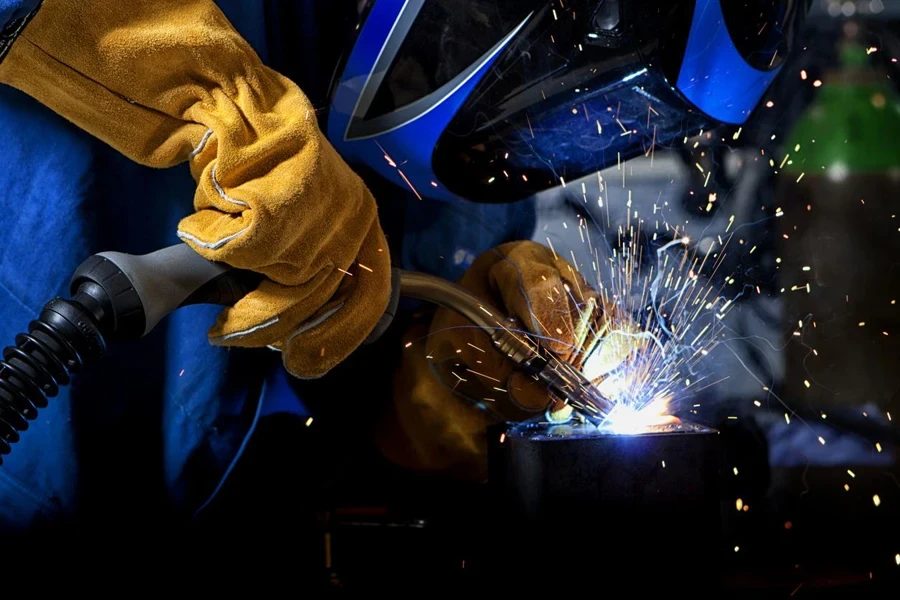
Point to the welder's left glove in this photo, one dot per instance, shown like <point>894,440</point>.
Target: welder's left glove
<point>454,382</point>
<point>171,81</point>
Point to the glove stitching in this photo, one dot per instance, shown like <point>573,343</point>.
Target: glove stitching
<point>305,327</point>
<point>209,133</point>
<point>246,332</point>
<point>317,321</point>
<point>211,245</point>
<point>222,193</point>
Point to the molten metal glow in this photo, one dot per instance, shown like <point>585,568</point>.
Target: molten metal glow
<point>658,327</point>
<point>626,419</point>
<point>634,412</point>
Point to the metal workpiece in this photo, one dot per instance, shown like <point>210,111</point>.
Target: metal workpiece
<point>637,512</point>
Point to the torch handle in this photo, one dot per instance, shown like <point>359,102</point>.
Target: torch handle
<point>142,290</point>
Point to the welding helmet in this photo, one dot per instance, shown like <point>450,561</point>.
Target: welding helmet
<point>496,100</point>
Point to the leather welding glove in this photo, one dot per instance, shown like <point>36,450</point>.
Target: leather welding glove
<point>169,81</point>
<point>454,383</point>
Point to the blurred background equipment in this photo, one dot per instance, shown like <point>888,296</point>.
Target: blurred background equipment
<point>839,190</point>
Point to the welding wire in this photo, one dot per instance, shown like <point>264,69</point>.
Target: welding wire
<point>598,337</point>
<point>594,334</point>
<point>571,336</point>
<point>543,330</point>
<point>584,323</point>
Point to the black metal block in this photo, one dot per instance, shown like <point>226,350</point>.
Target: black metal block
<point>577,509</point>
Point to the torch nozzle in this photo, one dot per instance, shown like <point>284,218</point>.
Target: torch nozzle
<point>573,389</point>
<point>564,382</point>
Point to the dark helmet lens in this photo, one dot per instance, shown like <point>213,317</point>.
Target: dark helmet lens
<point>763,30</point>
<point>446,37</point>
<point>581,88</point>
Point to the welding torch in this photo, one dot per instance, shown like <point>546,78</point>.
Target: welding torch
<point>118,297</point>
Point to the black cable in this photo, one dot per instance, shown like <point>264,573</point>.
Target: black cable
<point>58,344</point>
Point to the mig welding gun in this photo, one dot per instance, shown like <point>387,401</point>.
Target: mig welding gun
<point>119,297</point>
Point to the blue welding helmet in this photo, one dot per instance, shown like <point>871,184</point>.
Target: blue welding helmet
<point>496,100</point>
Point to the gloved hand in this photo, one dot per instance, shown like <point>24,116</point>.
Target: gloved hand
<point>454,382</point>
<point>168,81</point>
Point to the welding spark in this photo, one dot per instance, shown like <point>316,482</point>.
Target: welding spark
<point>643,358</point>
<point>664,300</point>
<point>657,321</point>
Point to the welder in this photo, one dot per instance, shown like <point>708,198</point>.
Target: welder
<point>429,102</point>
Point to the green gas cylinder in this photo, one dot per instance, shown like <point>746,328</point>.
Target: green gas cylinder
<point>839,195</point>
<point>852,127</point>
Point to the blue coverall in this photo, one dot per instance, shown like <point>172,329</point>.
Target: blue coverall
<point>157,426</point>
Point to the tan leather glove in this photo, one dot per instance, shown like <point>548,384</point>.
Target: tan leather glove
<point>169,81</point>
<point>454,383</point>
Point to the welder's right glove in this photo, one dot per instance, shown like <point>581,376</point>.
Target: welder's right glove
<point>169,81</point>
<point>454,382</point>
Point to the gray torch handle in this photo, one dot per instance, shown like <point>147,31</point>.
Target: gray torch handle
<point>177,276</point>
<point>145,289</point>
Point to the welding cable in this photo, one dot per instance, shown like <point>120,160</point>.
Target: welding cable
<point>435,290</point>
